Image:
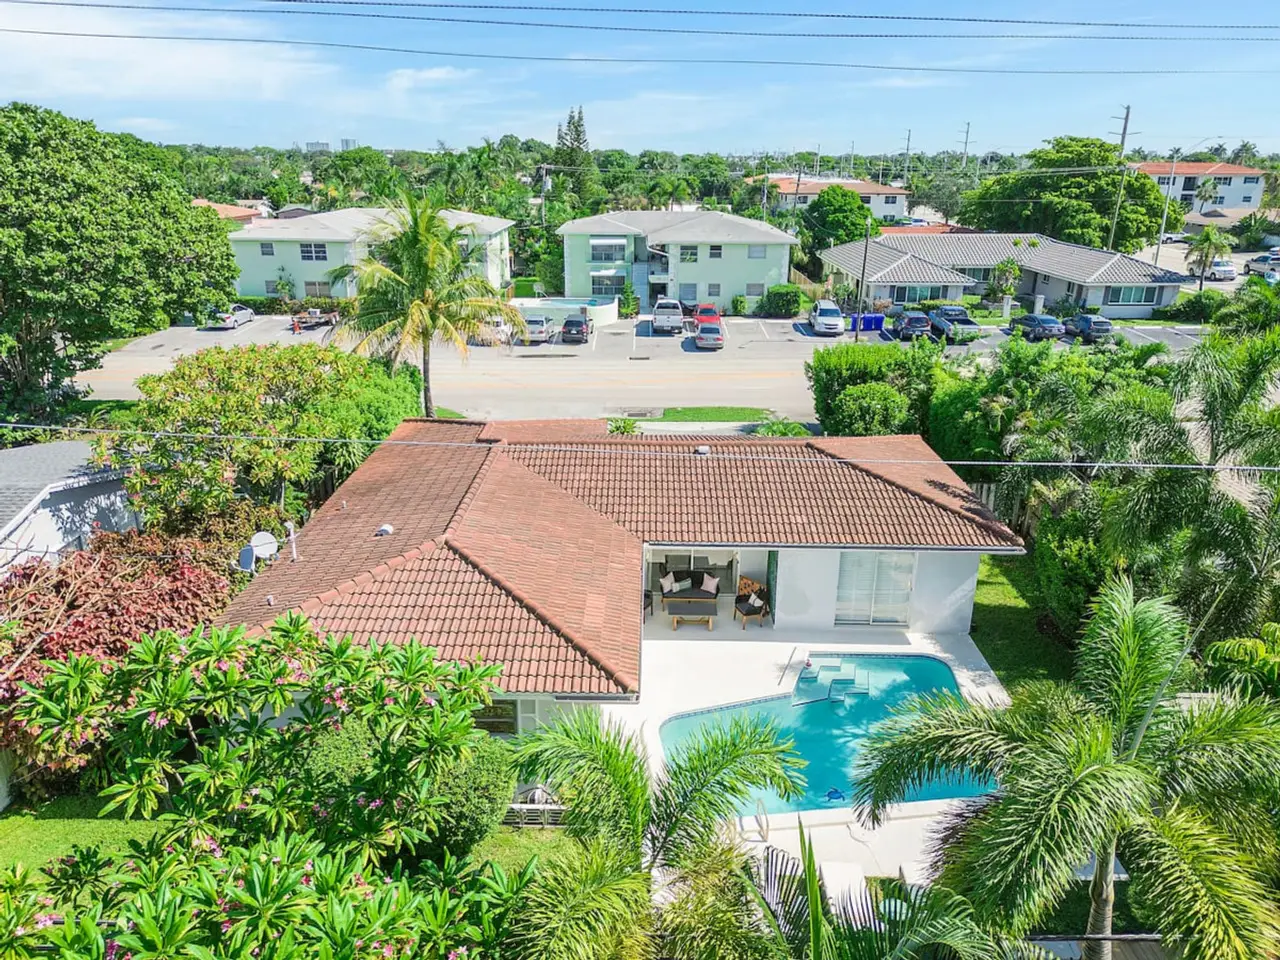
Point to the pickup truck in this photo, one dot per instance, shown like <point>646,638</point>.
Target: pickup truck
<point>1262,263</point>
<point>668,316</point>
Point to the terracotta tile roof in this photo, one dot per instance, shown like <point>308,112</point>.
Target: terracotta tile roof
<point>1217,169</point>
<point>787,185</point>
<point>228,211</point>
<point>523,543</point>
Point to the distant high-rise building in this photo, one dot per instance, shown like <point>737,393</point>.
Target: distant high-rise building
<point>317,146</point>
<point>349,144</point>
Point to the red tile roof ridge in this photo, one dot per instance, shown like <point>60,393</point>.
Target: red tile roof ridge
<point>625,681</point>
<point>319,601</point>
<point>990,524</point>
<point>465,503</point>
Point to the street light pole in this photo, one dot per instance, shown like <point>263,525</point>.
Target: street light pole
<point>862,282</point>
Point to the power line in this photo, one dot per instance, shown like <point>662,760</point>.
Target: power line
<point>549,8</point>
<point>624,28</point>
<point>682,61</point>
<point>619,447</point>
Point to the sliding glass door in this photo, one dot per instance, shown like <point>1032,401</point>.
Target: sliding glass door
<point>874,587</point>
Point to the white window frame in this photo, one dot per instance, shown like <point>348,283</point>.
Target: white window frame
<point>716,252</point>
<point>314,252</point>
<point>267,248</point>
<point>1133,295</point>
<point>613,284</point>
<point>603,249</point>
<point>1164,181</point>
<point>1222,181</point>
<point>755,290</point>
<point>1219,200</point>
<point>713,289</point>
<point>683,288</point>
<point>757,251</point>
<point>871,618</point>
<point>271,288</point>
<point>1249,181</point>
<point>890,199</point>
<point>803,199</point>
<point>312,288</point>
<point>865,199</point>
<point>688,253</point>
<point>1247,198</point>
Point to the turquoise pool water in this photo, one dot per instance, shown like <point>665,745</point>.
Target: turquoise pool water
<point>834,705</point>
<point>574,301</point>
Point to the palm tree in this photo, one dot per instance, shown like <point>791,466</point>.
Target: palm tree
<point>667,825</point>
<point>1206,190</point>
<point>417,287</point>
<point>805,922</point>
<point>1254,308</point>
<point>1245,153</point>
<point>1109,765</point>
<point>1249,665</point>
<point>1208,245</point>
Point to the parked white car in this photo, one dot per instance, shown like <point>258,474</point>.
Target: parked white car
<point>1175,237</point>
<point>1221,270</point>
<point>538,329</point>
<point>232,317</point>
<point>826,319</point>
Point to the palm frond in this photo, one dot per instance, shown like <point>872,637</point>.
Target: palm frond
<point>1128,649</point>
<point>712,913</point>
<point>709,778</point>
<point>594,905</point>
<point>598,770</point>
<point>1197,887</point>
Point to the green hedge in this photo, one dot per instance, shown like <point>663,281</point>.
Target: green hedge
<point>1070,567</point>
<point>738,306</point>
<point>1200,307</point>
<point>524,286</point>
<point>957,425</point>
<point>274,305</point>
<point>870,410</point>
<point>836,368</point>
<point>780,300</point>
<point>340,756</point>
<point>927,305</point>
<point>477,792</point>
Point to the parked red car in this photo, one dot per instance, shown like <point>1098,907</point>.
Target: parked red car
<point>706,313</point>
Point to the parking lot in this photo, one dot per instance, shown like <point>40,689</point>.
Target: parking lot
<point>623,368</point>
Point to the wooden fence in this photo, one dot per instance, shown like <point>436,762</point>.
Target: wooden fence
<point>1023,516</point>
<point>814,291</point>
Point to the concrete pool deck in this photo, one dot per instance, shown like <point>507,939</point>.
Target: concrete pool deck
<point>689,669</point>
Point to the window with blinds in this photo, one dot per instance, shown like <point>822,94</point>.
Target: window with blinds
<point>874,587</point>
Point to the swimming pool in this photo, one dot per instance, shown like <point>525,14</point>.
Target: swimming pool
<point>834,705</point>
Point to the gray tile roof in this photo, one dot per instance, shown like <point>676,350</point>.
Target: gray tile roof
<point>885,264</point>
<point>675,226</point>
<point>26,472</point>
<point>344,226</point>
<point>1066,261</point>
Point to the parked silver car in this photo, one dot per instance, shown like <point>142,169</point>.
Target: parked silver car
<point>826,319</point>
<point>538,329</point>
<point>710,336</point>
<point>232,317</point>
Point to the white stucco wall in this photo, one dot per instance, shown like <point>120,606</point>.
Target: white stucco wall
<point>753,564</point>
<point>63,517</point>
<point>6,770</point>
<point>806,589</point>
<point>942,595</point>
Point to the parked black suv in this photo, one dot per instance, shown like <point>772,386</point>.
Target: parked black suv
<point>1038,326</point>
<point>1088,328</point>
<point>908,326</point>
<point>576,330</point>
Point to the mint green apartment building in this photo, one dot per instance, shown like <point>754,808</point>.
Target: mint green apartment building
<point>311,246</point>
<point>700,256</point>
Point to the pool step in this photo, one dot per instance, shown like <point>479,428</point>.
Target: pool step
<point>841,690</point>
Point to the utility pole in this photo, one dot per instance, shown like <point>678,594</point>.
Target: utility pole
<point>1124,169</point>
<point>906,172</point>
<point>862,283</point>
<point>964,157</point>
<point>817,162</point>
<point>851,145</point>
<point>764,186</point>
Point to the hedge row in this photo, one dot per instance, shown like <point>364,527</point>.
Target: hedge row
<point>274,305</point>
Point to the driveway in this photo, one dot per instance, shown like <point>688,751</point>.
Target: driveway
<point>157,352</point>
<point>1173,256</point>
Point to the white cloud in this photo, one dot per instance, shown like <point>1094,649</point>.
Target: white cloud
<point>407,80</point>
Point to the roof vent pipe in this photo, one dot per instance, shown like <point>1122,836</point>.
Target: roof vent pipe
<point>702,451</point>
<point>385,530</point>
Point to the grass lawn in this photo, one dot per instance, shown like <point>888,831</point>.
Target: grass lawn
<point>34,836</point>
<point>1004,624</point>
<point>712,414</point>
<point>116,413</point>
<point>511,848</point>
<point>444,413</point>
<point>1072,915</point>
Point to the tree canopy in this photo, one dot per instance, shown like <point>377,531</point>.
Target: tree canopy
<point>1075,207</point>
<point>93,245</point>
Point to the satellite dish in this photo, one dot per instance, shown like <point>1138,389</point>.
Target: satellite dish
<point>247,559</point>
<point>264,545</point>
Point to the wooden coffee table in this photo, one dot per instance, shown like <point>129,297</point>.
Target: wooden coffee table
<point>691,611</point>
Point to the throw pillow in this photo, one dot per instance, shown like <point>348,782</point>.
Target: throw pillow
<point>755,601</point>
<point>668,582</point>
<point>683,585</point>
<point>710,584</point>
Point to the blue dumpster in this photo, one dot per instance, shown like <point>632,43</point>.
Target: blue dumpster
<point>872,321</point>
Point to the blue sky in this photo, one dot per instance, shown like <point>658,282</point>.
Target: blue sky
<point>272,94</point>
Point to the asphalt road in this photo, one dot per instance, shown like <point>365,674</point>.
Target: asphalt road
<point>623,370</point>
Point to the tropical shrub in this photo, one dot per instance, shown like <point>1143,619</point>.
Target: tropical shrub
<point>1070,566</point>
<point>1197,308</point>
<point>780,300</point>
<point>239,412</point>
<point>475,791</point>
<point>869,410</point>
<point>927,305</point>
<point>628,302</point>
<point>834,369</point>
<point>345,306</point>
<point>958,428</point>
<point>1249,666</point>
<point>623,425</point>
<point>781,427</point>
<point>738,306</point>
<point>340,756</point>
<point>191,725</point>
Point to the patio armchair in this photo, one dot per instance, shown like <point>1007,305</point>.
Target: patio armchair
<point>744,608</point>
